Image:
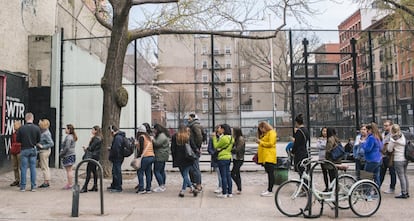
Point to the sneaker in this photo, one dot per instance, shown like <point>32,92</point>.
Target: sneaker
<point>221,196</point>
<point>148,191</point>
<point>230,195</point>
<point>402,196</point>
<point>163,188</point>
<point>44,185</point>
<point>67,187</point>
<point>15,183</point>
<point>267,193</point>
<point>218,190</point>
<point>157,190</point>
<point>238,192</point>
<point>115,191</point>
<point>22,190</point>
<point>389,191</point>
<point>181,193</point>
<point>141,191</point>
<point>33,190</point>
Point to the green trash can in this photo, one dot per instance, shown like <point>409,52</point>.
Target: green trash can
<point>281,170</point>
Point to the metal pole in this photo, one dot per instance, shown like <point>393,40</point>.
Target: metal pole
<point>371,76</point>
<point>272,77</point>
<point>305,43</point>
<point>354,66</point>
<point>60,97</point>
<point>292,83</point>
<point>135,88</point>
<point>213,113</point>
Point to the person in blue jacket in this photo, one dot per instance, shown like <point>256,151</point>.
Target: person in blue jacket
<point>372,152</point>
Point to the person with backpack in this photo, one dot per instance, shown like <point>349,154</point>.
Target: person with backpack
<point>161,144</point>
<point>300,145</point>
<point>146,151</point>
<point>331,143</point>
<point>397,146</point>
<point>116,156</point>
<point>196,134</point>
<point>387,158</point>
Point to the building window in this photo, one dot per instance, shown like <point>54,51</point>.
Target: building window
<point>205,107</point>
<point>228,77</point>
<point>216,51</point>
<point>216,64</point>
<point>229,92</point>
<point>204,64</point>
<point>229,106</point>
<point>205,92</point>
<point>244,90</point>
<point>410,66</point>
<point>228,49</point>
<point>204,77</point>
<point>402,68</point>
<point>228,63</point>
<point>217,76</point>
<point>204,50</point>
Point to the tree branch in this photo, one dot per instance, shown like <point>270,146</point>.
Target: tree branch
<point>141,33</point>
<point>142,2</point>
<point>99,12</point>
<point>400,6</point>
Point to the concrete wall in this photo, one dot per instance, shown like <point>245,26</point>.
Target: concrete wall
<point>83,96</point>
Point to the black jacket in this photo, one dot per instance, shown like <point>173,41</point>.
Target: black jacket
<point>178,153</point>
<point>94,147</point>
<point>115,154</point>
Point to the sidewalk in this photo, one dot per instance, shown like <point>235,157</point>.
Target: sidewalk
<point>56,204</point>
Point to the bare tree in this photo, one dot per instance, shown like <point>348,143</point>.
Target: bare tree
<point>174,17</point>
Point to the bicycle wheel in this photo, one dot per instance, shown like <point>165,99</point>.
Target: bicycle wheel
<point>291,198</point>
<point>345,182</point>
<point>365,198</point>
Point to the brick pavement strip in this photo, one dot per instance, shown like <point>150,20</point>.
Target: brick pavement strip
<point>56,204</point>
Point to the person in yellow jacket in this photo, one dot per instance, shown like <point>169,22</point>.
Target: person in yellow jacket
<point>223,145</point>
<point>266,152</point>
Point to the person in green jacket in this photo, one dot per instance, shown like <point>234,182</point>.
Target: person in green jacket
<point>224,146</point>
<point>161,144</point>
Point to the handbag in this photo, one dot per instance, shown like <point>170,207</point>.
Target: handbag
<point>189,153</point>
<point>136,162</point>
<point>338,152</point>
<point>255,159</point>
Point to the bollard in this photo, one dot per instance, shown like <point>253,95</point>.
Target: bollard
<point>75,200</point>
<point>76,189</point>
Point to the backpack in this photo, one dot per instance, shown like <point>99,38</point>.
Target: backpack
<point>204,133</point>
<point>128,146</point>
<point>409,151</point>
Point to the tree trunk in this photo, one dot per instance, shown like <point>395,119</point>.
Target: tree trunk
<point>111,82</point>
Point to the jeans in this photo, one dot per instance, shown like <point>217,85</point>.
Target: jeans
<point>226,182</point>
<point>359,165</point>
<point>195,171</point>
<point>375,168</point>
<point>146,167</point>
<point>185,174</point>
<point>401,169</point>
<point>270,169</point>
<point>385,165</point>
<point>28,159</point>
<point>235,173</point>
<point>159,172</point>
<point>116,175</point>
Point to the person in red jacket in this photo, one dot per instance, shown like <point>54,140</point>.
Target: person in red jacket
<point>15,154</point>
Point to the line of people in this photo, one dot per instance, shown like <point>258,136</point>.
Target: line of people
<point>374,154</point>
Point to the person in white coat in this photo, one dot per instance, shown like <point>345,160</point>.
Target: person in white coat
<point>397,147</point>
